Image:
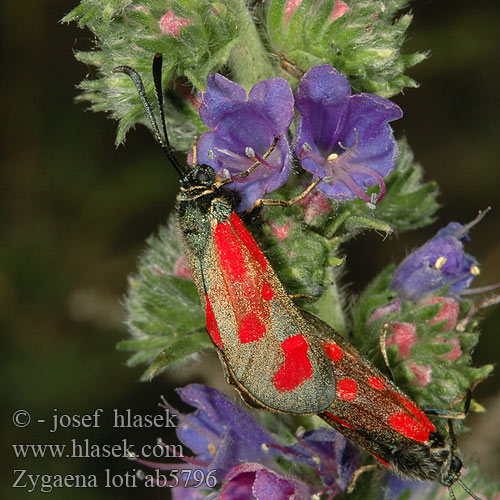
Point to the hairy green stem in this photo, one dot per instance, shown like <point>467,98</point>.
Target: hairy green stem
<point>249,59</point>
<point>330,305</point>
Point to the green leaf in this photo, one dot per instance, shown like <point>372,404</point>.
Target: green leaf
<point>165,316</point>
<point>364,42</point>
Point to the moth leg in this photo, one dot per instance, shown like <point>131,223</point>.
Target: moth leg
<point>383,349</point>
<point>290,68</point>
<point>459,415</point>
<point>194,159</point>
<point>249,170</point>
<point>357,473</point>
<point>262,202</point>
<point>297,296</point>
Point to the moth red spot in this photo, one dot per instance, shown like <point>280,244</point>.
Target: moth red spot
<point>417,412</point>
<point>251,329</point>
<point>229,250</point>
<point>333,351</point>
<point>297,367</point>
<point>409,427</point>
<point>383,462</point>
<point>339,420</point>
<point>347,389</point>
<point>212,327</point>
<point>248,240</point>
<point>376,383</point>
<point>267,292</point>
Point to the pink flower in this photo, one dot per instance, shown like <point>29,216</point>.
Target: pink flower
<point>170,24</point>
<point>404,335</point>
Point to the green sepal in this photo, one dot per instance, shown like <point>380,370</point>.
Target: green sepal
<point>409,202</point>
<point>217,35</point>
<point>180,349</point>
<point>364,43</point>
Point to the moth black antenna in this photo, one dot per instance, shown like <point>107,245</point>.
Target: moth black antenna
<point>452,495</point>
<point>139,85</point>
<point>467,489</point>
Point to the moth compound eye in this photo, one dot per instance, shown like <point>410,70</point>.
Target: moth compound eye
<point>456,464</point>
<point>204,175</point>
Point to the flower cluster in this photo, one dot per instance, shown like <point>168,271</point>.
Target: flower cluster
<point>242,455</point>
<point>262,110</point>
<point>342,138</point>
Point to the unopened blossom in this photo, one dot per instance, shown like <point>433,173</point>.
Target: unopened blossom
<point>253,481</point>
<point>404,335</point>
<point>243,130</point>
<point>449,311</point>
<point>438,263</point>
<point>344,138</point>
<point>171,23</point>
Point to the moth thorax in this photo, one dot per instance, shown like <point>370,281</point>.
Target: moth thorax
<point>432,461</point>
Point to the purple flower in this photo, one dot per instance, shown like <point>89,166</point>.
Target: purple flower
<point>395,487</point>
<point>219,433</point>
<point>344,136</point>
<point>253,481</point>
<point>243,130</point>
<point>333,457</point>
<point>440,262</point>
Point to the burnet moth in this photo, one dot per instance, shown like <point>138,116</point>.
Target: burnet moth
<point>279,357</point>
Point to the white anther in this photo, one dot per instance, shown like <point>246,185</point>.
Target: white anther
<point>211,154</point>
<point>249,152</point>
<point>372,204</point>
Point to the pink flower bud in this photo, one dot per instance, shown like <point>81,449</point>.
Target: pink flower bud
<point>394,306</point>
<point>423,374</point>
<point>404,335</point>
<point>182,268</point>
<point>290,8</point>
<point>339,10</point>
<point>455,352</point>
<point>170,24</point>
<point>314,204</point>
<point>449,312</point>
<point>280,231</point>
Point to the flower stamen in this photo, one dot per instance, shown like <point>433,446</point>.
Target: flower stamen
<point>475,271</point>
<point>440,262</point>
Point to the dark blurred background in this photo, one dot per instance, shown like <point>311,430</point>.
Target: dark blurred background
<point>76,212</point>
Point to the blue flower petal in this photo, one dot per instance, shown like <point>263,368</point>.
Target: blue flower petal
<point>342,136</point>
<point>243,131</point>
<point>438,263</point>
